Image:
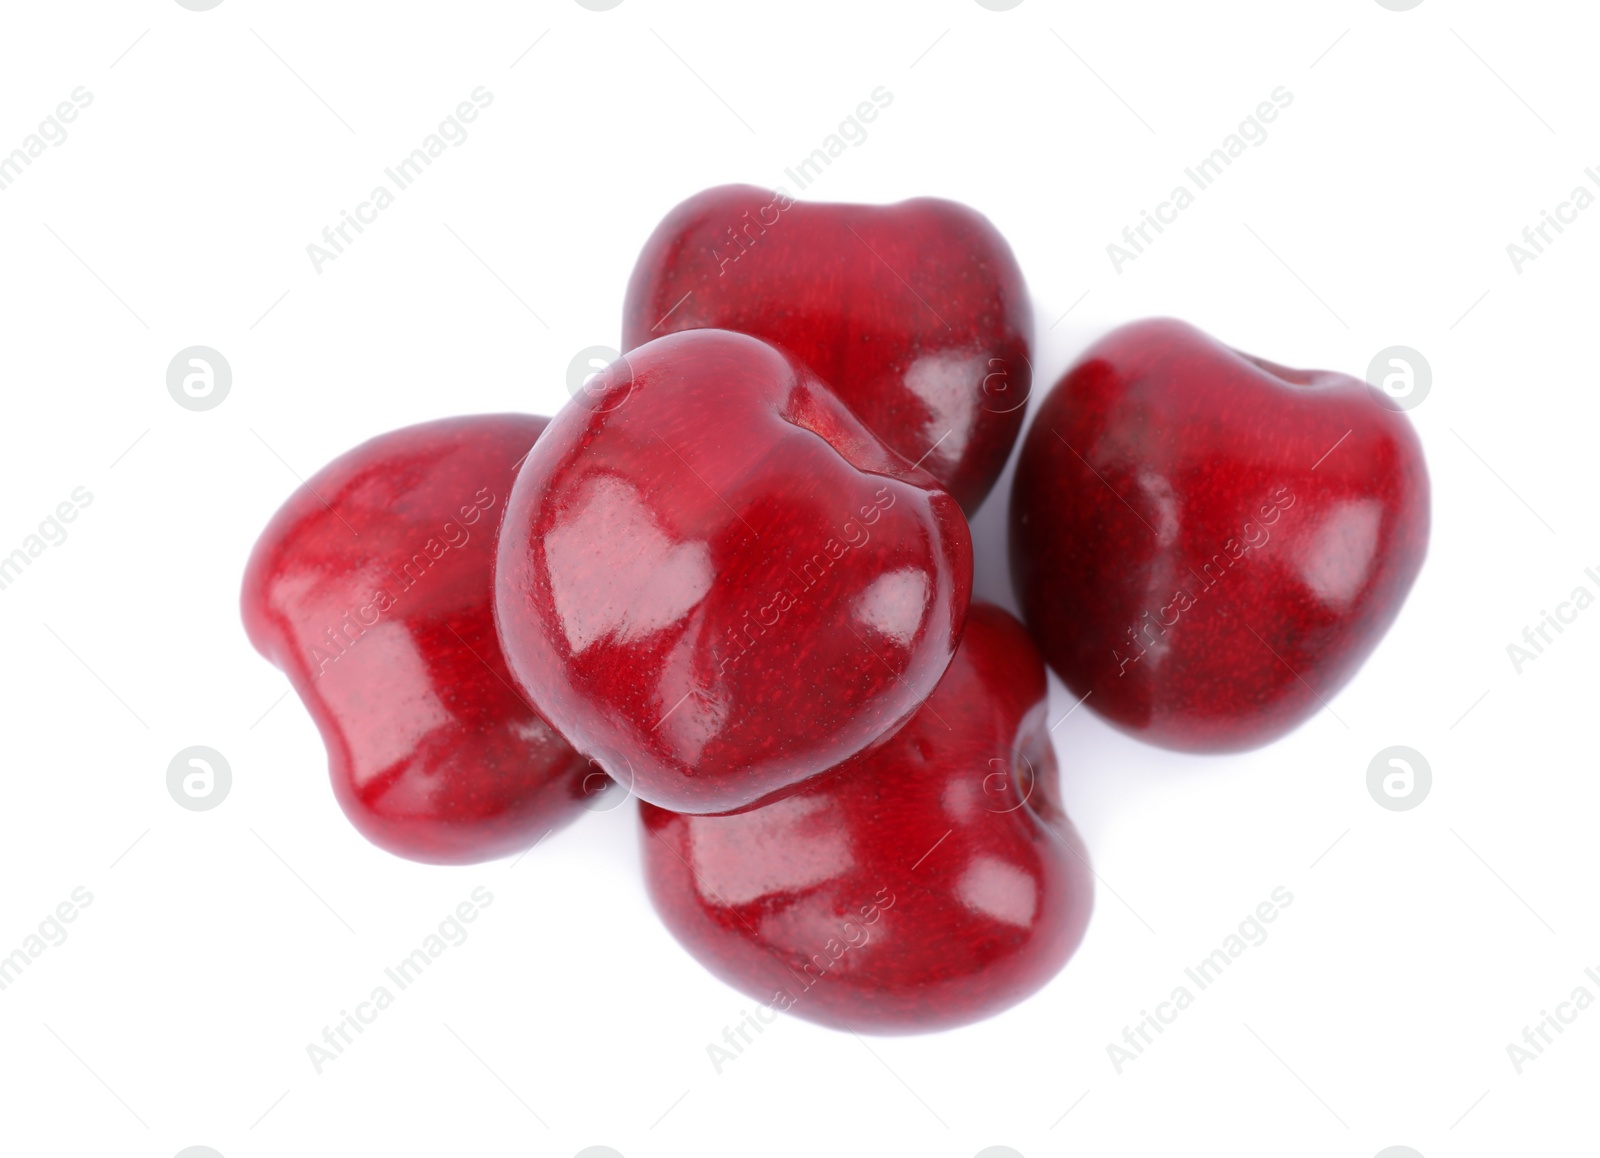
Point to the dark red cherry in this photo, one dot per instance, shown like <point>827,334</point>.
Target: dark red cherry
<point>924,885</point>
<point>1207,545</point>
<point>915,313</point>
<point>717,582</point>
<point>370,588</point>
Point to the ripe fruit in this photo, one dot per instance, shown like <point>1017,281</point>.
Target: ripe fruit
<point>924,885</point>
<point>716,582</point>
<point>915,313</point>
<point>1208,545</point>
<point>370,588</point>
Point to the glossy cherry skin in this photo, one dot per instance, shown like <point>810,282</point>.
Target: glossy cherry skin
<point>1208,545</point>
<point>371,589</point>
<point>717,583</point>
<point>915,313</point>
<point>924,885</point>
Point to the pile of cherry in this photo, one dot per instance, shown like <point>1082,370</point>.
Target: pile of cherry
<point>733,577</point>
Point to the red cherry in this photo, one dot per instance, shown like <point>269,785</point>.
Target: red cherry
<point>924,885</point>
<point>714,580</point>
<point>1208,545</point>
<point>370,588</point>
<point>916,313</point>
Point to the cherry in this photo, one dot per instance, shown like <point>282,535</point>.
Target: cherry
<point>1207,545</point>
<point>915,313</point>
<point>370,588</point>
<point>924,885</point>
<point>714,580</point>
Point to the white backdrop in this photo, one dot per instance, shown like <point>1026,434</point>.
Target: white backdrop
<point>175,209</point>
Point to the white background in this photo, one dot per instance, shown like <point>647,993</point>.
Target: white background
<point>218,944</point>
